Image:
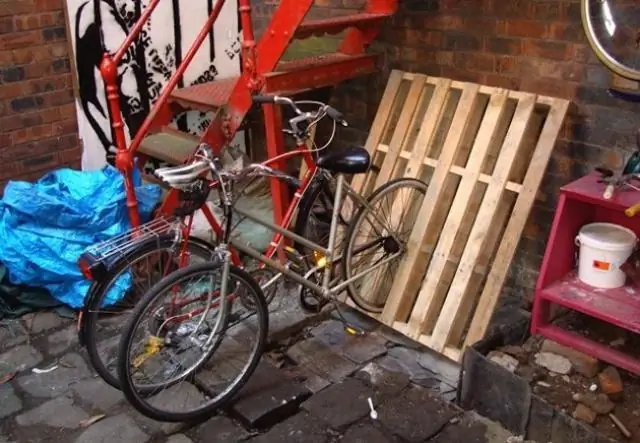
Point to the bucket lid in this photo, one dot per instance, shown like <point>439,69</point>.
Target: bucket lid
<point>607,236</point>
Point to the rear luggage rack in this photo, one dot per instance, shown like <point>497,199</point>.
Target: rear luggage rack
<point>97,259</point>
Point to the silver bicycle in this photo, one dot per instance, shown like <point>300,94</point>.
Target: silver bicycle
<point>372,246</point>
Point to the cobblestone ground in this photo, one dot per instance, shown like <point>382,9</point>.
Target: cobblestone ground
<point>329,375</point>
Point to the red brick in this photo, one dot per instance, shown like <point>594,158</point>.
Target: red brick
<point>503,45</point>
<point>567,32</point>
<point>19,40</point>
<point>31,133</point>
<point>526,28</point>
<point>15,7</point>
<point>462,74</point>
<point>474,61</point>
<point>444,58</point>
<point>443,22</point>
<point>547,49</point>
<point>512,8</point>
<point>49,5</point>
<point>37,21</point>
<point>503,81</point>
<point>71,156</point>
<point>479,24</point>
<point>548,10</point>
<point>551,87</point>
<point>6,25</point>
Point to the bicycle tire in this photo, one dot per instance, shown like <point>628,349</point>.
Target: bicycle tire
<point>132,395</point>
<point>349,237</point>
<point>98,291</point>
<point>601,53</point>
<point>319,184</point>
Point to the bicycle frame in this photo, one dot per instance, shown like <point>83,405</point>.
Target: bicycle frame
<point>326,289</point>
<point>278,238</point>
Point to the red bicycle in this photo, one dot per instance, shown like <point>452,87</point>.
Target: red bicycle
<point>123,269</point>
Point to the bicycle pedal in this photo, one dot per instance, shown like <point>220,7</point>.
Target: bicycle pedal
<point>294,257</point>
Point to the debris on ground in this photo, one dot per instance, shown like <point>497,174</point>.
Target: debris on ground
<point>505,360</point>
<point>600,403</point>
<point>591,391</point>
<point>623,429</point>
<point>553,362</point>
<point>585,414</point>
<point>582,363</point>
<point>611,383</point>
<point>88,422</point>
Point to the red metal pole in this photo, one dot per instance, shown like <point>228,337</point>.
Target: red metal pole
<point>249,64</point>
<point>204,33</point>
<point>124,161</point>
<point>275,147</point>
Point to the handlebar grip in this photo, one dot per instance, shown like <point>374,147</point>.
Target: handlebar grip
<point>264,98</point>
<point>336,115</point>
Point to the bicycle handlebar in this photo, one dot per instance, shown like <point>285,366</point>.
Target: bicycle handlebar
<point>330,111</point>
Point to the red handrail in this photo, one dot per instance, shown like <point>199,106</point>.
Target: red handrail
<point>135,31</point>
<point>109,70</point>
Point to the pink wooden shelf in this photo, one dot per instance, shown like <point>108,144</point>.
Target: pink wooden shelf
<point>581,203</point>
<point>618,306</point>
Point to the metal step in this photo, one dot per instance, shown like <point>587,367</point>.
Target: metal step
<point>336,25</point>
<point>289,78</point>
<point>170,146</point>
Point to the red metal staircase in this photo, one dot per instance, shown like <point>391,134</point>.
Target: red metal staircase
<point>262,71</point>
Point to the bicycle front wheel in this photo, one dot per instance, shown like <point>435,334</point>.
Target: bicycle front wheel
<point>186,350</point>
<point>377,236</point>
<point>612,35</point>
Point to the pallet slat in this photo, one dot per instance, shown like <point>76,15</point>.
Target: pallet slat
<point>410,274</point>
<point>484,155</point>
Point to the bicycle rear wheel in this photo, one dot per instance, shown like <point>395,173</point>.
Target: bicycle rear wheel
<point>613,33</point>
<point>378,232</point>
<point>145,265</point>
<point>184,331</point>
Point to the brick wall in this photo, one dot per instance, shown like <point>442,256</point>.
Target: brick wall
<point>536,46</point>
<point>38,129</point>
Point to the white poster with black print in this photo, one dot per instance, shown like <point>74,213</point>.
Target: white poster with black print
<point>101,25</point>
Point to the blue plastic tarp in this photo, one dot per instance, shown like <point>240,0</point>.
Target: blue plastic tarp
<point>45,226</point>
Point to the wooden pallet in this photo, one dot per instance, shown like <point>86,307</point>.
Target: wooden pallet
<point>484,152</point>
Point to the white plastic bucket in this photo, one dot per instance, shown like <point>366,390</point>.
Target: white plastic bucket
<point>604,247</point>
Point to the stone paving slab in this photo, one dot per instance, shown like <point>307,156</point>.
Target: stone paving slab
<point>416,415</point>
<point>341,404</point>
<point>318,357</point>
<point>268,397</point>
<point>96,394</point>
<point>57,413</point>
<point>9,402</point>
<point>358,349</point>
<point>218,429</point>
<point>300,428</point>
<point>19,359</point>
<point>70,370</point>
<point>39,322</point>
<point>61,341</point>
<point>368,433</point>
<point>386,383</point>
<point>12,333</point>
<point>120,428</point>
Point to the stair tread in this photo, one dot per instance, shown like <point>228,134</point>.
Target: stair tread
<point>171,146</point>
<point>338,23</point>
<point>216,94</point>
